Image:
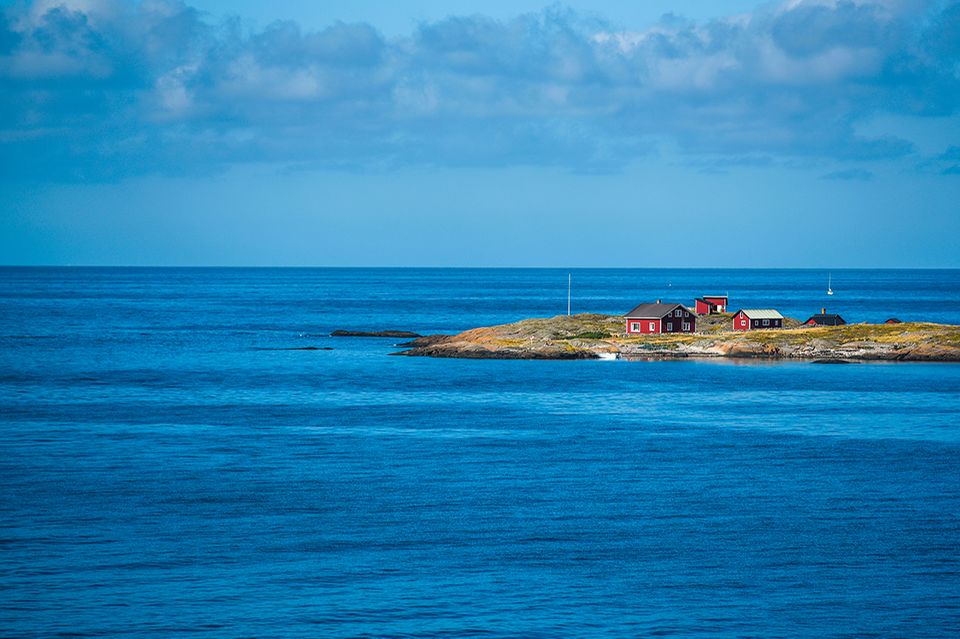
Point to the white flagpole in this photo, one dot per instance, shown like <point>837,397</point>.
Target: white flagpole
<point>568,293</point>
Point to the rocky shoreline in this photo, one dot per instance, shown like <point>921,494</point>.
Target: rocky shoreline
<point>591,336</point>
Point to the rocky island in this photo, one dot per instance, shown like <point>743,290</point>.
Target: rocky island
<point>592,336</point>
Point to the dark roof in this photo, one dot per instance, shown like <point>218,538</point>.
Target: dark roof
<point>893,320</point>
<point>726,297</point>
<point>826,319</point>
<point>653,311</point>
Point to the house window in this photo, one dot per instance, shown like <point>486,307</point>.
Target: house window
<point>669,326</point>
<point>743,322</point>
<point>652,326</point>
<point>766,322</point>
<point>678,312</point>
<point>686,326</point>
<point>635,326</point>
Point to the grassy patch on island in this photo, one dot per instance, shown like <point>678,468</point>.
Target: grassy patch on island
<point>587,335</point>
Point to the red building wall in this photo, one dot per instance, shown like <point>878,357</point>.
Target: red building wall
<point>669,324</point>
<point>674,324</point>
<point>702,308</point>
<point>718,301</point>
<point>644,328</point>
<point>741,322</point>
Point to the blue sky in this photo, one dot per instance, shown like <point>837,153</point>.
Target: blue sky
<point>805,133</point>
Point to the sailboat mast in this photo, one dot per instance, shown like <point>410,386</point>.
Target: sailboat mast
<point>568,293</point>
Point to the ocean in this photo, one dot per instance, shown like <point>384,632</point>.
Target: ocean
<point>174,464</point>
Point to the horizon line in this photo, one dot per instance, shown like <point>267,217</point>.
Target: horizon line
<point>467,267</point>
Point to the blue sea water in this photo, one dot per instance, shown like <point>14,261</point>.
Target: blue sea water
<point>169,469</point>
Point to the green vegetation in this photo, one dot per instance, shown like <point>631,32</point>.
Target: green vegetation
<point>587,335</point>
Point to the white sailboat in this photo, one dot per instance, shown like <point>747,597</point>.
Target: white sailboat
<point>830,284</point>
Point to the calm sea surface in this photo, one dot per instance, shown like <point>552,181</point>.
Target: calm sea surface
<point>167,468</point>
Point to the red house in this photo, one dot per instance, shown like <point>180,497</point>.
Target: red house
<point>749,319</point>
<point>711,304</point>
<point>661,318</point>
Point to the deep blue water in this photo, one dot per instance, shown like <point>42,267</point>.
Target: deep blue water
<point>166,471</point>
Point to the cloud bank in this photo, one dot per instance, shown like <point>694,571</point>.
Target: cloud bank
<point>101,89</point>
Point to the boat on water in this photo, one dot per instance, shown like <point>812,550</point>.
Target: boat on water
<point>830,284</point>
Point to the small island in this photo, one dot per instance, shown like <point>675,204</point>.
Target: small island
<point>594,336</point>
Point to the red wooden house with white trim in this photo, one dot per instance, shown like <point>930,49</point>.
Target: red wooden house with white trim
<point>660,318</point>
<point>749,319</point>
<point>711,304</point>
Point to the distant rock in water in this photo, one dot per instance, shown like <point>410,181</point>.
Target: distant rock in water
<point>404,334</point>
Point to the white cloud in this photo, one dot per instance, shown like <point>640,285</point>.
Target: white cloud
<point>792,79</point>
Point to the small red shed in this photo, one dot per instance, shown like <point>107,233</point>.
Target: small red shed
<point>711,304</point>
<point>660,318</point>
<point>749,319</point>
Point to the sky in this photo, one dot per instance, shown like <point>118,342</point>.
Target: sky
<point>797,133</point>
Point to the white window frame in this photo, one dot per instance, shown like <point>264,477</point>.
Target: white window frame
<point>686,326</point>
<point>653,326</point>
<point>766,322</point>
<point>635,327</point>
